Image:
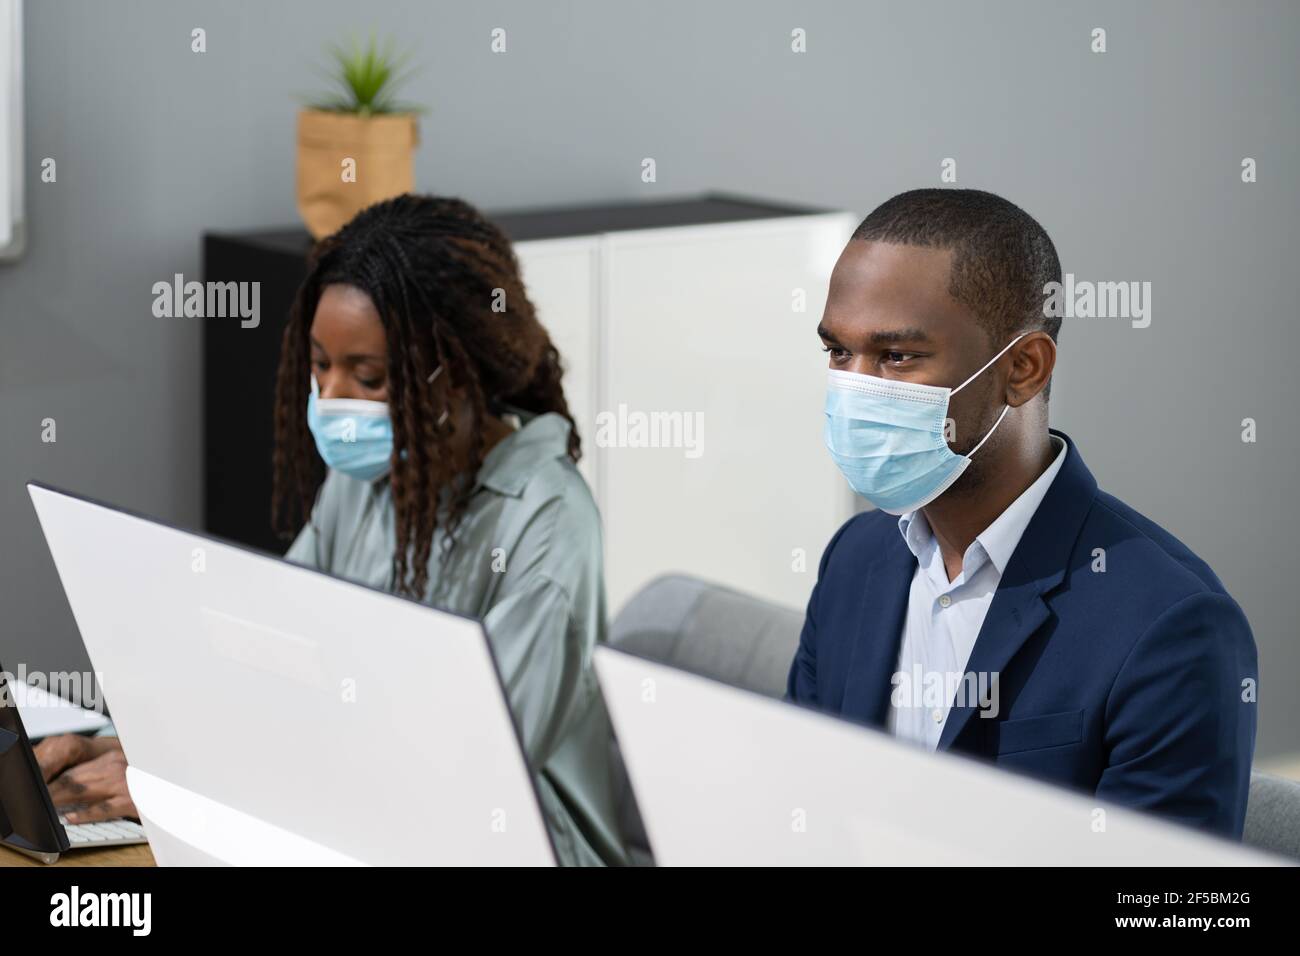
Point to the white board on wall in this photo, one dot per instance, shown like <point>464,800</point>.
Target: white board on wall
<point>11,128</point>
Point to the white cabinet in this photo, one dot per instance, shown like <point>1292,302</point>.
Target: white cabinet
<point>698,386</point>
<point>560,275</point>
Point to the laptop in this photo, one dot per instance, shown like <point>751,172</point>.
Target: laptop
<point>729,777</point>
<point>29,821</point>
<point>276,715</point>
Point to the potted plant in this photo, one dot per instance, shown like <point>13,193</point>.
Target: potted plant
<point>356,146</point>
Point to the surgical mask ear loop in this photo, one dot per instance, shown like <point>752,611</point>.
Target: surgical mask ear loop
<point>1005,408</point>
<point>989,433</point>
<point>988,363</point>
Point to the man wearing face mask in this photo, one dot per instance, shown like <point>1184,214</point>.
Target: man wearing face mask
<point>996,602</point>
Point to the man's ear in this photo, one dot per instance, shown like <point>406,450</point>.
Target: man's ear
<point>1033,359</point>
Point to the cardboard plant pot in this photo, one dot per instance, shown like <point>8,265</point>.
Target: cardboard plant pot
<point>383,149</point>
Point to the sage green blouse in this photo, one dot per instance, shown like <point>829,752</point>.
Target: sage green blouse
<point>528,563</point>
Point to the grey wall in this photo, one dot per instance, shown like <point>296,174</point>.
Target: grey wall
<point>1130,159</point>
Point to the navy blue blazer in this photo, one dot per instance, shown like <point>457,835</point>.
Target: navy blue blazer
<point>1135,683</point>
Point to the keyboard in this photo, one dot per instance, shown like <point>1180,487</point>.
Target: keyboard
<point>121,832</point>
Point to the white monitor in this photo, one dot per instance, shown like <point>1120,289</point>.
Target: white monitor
<point>728,777</point>
<point>272,714</point>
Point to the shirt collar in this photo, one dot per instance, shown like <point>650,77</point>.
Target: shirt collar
<point>1000,538</point>
<point>915,531</point>
<point>514,460</point>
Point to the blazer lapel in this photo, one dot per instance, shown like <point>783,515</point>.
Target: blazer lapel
<point>880,629</point>
<point>1018,609</point>
<point>1036,567</point>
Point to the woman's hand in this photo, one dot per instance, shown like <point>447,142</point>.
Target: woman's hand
<point>87,775</point>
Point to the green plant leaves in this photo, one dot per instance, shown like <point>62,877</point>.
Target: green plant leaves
<point>366,77</point>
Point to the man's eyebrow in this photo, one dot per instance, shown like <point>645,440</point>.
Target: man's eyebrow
<point>884,337</point>
<point>894,336</point>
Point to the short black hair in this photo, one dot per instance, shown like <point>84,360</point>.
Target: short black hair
<point>1002,257</point>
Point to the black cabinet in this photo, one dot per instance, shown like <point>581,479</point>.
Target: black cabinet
<point>239,366</point>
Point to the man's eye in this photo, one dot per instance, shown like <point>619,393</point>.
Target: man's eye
<point>837,353</point>
<point>898,356</point>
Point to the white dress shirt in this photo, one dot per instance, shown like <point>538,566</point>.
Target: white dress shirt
<point>944,617</point>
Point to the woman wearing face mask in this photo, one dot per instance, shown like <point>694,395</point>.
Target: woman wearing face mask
<point>414,364</point>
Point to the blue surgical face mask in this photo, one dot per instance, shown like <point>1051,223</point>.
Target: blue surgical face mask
<point>353,435</point>
<point>887,437</point>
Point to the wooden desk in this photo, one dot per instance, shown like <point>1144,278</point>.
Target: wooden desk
<point>137,855</point>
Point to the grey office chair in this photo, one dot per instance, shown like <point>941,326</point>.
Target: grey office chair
<point>1273,814</point>
<point>710,630</point>
<point>748,642</point>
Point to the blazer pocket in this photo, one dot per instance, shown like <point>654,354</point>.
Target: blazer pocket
<point>1036,733</point>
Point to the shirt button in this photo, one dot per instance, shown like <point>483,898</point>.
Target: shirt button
<point>944,600</point>
<point>937,714</point>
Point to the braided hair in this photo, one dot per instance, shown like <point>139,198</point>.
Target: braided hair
<point>439,275</point>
